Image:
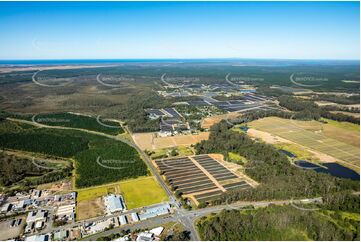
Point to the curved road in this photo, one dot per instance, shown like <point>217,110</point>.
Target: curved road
<point>185,217</point>
<point>118,138</point>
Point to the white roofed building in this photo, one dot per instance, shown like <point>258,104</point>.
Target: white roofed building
<point>114,203</point>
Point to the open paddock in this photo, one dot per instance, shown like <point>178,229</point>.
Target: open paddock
<point>151,141</point>
<point>314,136</point>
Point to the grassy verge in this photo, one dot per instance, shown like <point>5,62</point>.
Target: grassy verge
<point>301,154</point>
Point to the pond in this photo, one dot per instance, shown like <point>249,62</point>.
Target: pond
<point>333,169</point>
<point>289,154</point>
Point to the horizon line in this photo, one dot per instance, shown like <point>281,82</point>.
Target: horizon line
<point>198,58</point>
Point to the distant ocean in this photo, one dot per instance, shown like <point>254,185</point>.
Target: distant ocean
<point>107,61</point>
<point>238,61</point>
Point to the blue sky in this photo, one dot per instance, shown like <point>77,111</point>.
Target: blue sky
<point>107,30</point>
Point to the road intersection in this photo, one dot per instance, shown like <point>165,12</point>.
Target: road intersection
<point>186,217</point>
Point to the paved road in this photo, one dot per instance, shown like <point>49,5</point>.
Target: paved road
<point>118,138</point>
<point>91,220</point>
<point>188,218</point>
<point>185,217</point>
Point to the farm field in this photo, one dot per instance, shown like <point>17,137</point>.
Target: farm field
<point>98,160</point>
<point>149,141</point>
<point>336,140</point>
<point>200,178</point>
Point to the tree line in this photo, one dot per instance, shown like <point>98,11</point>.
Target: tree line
<point>278,223</point>
<point>309,110</point>
<point>277,177</point>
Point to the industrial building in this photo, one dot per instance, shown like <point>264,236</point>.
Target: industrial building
<point>155,211</point>
<point>114,203</point>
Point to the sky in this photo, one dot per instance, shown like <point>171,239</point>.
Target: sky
<point>123,30</point>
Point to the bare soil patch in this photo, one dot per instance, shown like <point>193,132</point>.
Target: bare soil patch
<point>90,208</point>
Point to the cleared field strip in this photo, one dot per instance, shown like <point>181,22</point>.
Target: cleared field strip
<point>199,177</point>
<point>151,141</point>
<point>314,140</point>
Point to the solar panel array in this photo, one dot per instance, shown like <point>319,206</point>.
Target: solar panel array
<point>185,176</point>
<point>200,176</point>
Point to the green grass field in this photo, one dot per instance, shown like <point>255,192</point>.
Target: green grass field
<point>91,193</point>
<point>139,192</point>
<point>142,192</point>
<point>310,134</point>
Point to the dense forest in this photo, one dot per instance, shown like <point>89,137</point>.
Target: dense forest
<point>80,121</point>
<point>279,223</point>
<point>98,160</point>
<point>277,177</point>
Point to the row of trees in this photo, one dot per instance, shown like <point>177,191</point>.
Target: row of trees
<point>341,108</point>
<point>309,110</point>
<point>341,99</point>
